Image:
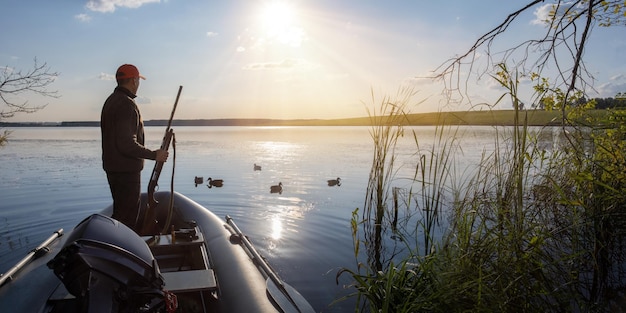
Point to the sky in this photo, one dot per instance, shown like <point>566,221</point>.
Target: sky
<point>300,59</point>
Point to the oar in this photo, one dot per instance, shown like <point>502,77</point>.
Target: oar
<point>287,297</point>
<point>35,253</point>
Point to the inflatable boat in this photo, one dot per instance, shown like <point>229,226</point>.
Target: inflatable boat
<point>201,263</point>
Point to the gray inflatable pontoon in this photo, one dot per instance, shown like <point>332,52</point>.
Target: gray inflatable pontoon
<point>200,264</point>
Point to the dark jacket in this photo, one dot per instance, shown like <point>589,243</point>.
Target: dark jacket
<point>122,134</point>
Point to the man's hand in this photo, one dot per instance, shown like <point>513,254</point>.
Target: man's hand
<point>161,155</point>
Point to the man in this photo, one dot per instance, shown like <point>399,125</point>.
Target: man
<point>123,150</point>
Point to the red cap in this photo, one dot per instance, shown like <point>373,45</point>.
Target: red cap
<point>127,71</point>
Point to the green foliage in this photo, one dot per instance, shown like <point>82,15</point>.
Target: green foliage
<point>606,13</point>
<point>3,137</point>
<point>399,288</point>
<point>611,13</point>
<point>551,98</point>
<point>532,230</point>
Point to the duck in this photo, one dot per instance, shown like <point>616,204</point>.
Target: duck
<point>334,182</point>
<point>198,180</point>
<point>215,182</point>
<point>257,167</point>
<point>277,188</point>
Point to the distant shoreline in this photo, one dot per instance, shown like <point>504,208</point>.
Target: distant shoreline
<point>485,118</point>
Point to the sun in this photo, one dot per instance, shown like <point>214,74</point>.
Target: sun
<point>278,21</point>
<point>275,17</point>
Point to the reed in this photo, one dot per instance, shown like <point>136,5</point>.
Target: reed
<point>388,278</point>
<point>4,137</point>
<point>531,229</point>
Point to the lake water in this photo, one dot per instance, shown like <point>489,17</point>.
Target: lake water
<point>51,178</point>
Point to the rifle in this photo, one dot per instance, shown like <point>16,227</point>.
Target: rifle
<point>149,222</point>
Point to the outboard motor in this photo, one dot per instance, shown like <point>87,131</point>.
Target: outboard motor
<point>109,268</point>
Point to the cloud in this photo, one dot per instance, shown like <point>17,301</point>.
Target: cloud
<point>105,76</point>
<point>286,64</point>
<point>609,90</point>
<point>426,80</point>
<point>6,71</point>
<point>109,6</point>
<point>211,34</point>
<point>258,40</point>
<point>83,17</point>
<point>143,100</point>
<point>616,84</point>
<point>542,14</point>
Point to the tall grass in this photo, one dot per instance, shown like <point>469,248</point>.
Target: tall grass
<point>386,132</point>
<point>388,279</point>
<point>529,230</point>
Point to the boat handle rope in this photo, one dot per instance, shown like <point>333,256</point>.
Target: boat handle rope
<point>170,210</point>
<point>171,301</point>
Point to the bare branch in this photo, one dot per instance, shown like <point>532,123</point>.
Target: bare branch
<point>561,46</point>
<point>486,39</point>
<point>13,83</point>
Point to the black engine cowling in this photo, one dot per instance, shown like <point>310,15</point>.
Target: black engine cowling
<point>109,268</point>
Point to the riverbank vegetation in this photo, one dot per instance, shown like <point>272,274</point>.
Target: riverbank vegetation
<point>15,82</point>
<point>535,117</point>
<point>536,225</point>
<point>532,228</point>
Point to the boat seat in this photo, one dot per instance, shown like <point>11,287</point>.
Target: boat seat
<point>166,240</point>
<point>194,280</point>
<point>183,281</point>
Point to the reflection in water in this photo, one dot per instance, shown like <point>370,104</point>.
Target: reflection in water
<point>43,189</point>
<point>275,151</point>
<point>283,223</point>
<point>277,228</point>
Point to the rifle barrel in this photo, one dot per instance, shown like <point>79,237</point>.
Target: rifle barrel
<point>169,123</point>
<point>156,172</point>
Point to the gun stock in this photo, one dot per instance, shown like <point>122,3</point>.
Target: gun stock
<point>156,172</point>
<point>149,222</point>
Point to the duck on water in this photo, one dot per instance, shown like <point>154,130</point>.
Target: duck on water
<point>190,260</point>
<point>277,188</point>
<point>334,182</point>
<point>215,182</point>
<point>203,262</point>
<point>200,264</point>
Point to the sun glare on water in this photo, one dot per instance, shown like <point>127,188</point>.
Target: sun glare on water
<point>277,228</point>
